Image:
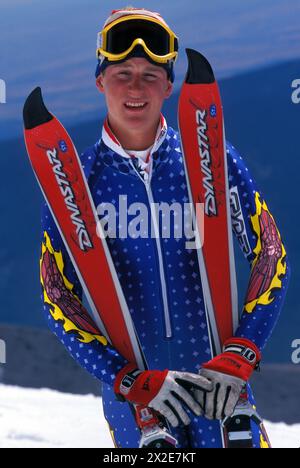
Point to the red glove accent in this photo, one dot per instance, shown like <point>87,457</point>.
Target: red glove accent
<point>146,417</point>
<point>239,359</point>
<point>139,386</point>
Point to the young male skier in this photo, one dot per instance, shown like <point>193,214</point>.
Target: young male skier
<point>139,157</point>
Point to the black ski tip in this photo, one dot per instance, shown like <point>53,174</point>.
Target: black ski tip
<point>35,112</point>
<point>199,69</point>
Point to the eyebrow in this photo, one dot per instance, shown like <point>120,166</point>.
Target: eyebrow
<point>148,69</point>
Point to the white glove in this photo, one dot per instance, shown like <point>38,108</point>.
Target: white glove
<point>178,388</point>
<point>164,391</point>
<point>221,402</point>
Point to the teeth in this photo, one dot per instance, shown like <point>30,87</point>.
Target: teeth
<point>135,104</point>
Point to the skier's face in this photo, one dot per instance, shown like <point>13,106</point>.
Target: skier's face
<point>135,82</point>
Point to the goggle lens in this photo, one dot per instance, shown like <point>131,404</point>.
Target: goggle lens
<point>121,36</point>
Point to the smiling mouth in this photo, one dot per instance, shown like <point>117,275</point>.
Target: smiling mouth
<point>135,106</point>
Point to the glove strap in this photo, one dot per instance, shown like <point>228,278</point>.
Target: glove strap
<point>240,358</point>
<point>125,380</point>
<point>244,348</point>
<point>138,386</point>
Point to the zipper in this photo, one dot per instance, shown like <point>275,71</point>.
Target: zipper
<point>167,316</point>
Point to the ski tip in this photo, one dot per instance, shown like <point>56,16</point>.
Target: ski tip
<point>199,69</point>
<point>35,112</point>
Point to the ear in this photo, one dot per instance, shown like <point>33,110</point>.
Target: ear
<point>169,89</point>
<point>99,83</point>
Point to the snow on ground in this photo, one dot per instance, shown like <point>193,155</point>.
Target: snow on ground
<point>49,419</point>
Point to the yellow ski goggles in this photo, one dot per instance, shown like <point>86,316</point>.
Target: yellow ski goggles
<point>117,40</point>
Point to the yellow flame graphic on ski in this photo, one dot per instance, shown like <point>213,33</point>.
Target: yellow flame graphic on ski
<point>263,443</point>
<point>265,299</point>
<point>55,311</point>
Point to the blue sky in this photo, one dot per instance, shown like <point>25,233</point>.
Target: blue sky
<point>52,43</point>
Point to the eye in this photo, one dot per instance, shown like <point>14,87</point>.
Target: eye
<point>150,77</point>
<point>123,74</point>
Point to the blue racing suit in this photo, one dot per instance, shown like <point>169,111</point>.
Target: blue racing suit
<point>161,279</point>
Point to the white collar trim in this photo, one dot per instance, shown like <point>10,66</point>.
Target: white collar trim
<point>112,142</point>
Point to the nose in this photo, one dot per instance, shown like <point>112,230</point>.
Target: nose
<point>135,83</point>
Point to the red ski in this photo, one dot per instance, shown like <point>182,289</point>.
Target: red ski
<point>58,170</point>
<point>204,148</point>
<point>203,145</point>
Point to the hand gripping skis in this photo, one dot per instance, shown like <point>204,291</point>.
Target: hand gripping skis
<point>57,167</point>
<point>201,124</point>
